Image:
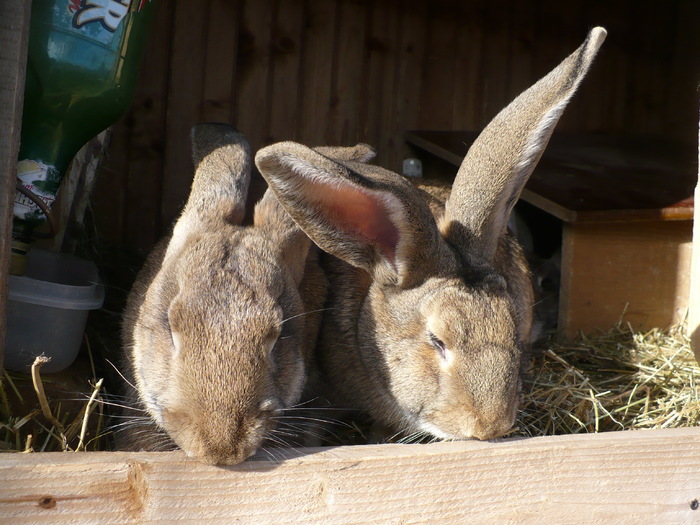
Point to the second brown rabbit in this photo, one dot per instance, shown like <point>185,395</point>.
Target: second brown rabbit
<point>430,302</point>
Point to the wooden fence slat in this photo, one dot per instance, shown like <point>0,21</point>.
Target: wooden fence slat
<point>409,69</point>
<point>316,65</point>
<point>221,56</point>
<point>145,165</point>
<point>14,33</point>
<point>184,103</point>
<point>253,72</point>
<point>285,117</point>
<point>438,85</point>
<point>348,76</point>
<point>617,477</point>
<point>468,82</point>
<point>378,120</point>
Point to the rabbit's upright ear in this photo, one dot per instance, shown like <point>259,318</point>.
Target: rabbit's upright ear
<point>222,164</point>
<point>370,218</point>
<point>504,155</point>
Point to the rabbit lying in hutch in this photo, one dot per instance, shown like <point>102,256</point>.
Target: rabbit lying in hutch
<point>430,300</point>
<point>219,325</point>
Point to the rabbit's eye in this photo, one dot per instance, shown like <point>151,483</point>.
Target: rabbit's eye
<point>438,344</point>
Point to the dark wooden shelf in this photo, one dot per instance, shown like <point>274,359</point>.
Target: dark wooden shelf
<point>586,177</point>
<point>627,207</point>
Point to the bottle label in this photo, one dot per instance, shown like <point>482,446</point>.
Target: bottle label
<point>43,180</point>
<point>108,13</point>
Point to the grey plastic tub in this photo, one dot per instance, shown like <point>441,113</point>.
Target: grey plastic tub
<point>48,308</point>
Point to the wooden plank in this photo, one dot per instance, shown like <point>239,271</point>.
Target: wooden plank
<point>14,33</point>
<point>466,105</point>
<point>253,74</point>
<point>184,104</point>
<point>223,28</point>
<point>316,65</point>
<point>495,65</point>
<point>409,63</point>
<point>438,77</point>
<point>348,73</point>
<point>590,177</point>
<point>146,131</point>
<point>378,118</point>
<point>617,477</point>
<point>640,269</point>
<point>286,86</point>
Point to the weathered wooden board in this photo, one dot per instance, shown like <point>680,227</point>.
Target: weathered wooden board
<point>619,477</point>
<point>14,32</point>
<point>639,268</point>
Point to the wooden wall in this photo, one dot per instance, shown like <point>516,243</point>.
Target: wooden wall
<point>343,71</point>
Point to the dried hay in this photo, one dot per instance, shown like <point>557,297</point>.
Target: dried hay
<point>620,380</point>
<point>63,420</point>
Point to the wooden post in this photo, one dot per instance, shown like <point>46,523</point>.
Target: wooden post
<point>14,33</point>
<point>694,298</point>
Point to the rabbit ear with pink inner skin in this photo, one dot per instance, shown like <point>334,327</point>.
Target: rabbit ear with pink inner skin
<point>370,218</point>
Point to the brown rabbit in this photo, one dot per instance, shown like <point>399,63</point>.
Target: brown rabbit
<point>428,311</point>
<point>221,322</point>
<point>215,335</point>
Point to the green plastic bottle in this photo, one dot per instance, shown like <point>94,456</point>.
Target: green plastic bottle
<point>82,67</point>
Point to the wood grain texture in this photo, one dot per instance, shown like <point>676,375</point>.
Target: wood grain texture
<point>641,269</point>
<point>342,71</point>
<point>593,177</point>
<point>14,32</point>
<point>618,477</point>
<point>185,100</point>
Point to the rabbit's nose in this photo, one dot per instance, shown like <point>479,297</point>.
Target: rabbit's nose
<point>225,455</point>
<point>495,424</point>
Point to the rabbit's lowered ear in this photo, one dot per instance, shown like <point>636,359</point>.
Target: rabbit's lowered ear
<point>504,155</point>
<point>362,214</point>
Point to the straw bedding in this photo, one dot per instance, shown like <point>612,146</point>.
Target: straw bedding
<point>620,380</point>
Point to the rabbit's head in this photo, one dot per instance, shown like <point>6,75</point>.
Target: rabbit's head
<point>217,335</point>
<point>428,314</point>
